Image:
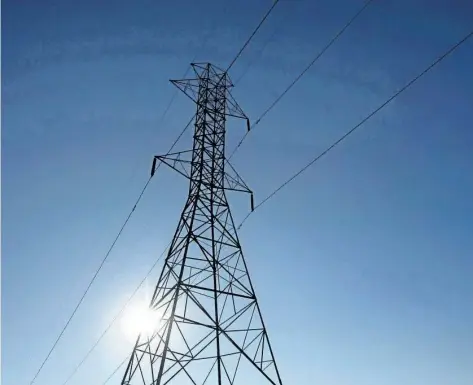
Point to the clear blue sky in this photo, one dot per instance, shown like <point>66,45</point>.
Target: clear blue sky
<point>362,266</point>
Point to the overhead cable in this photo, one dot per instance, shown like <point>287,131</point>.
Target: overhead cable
<point>364,120</point>
<point>168,107</point>
<point>304,71</point>
<point>104,259</point>
<point>252,35</point>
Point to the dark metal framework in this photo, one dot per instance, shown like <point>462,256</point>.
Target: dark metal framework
<point>211,330</point>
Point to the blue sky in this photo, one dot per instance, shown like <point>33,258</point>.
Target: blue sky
<point>362,266</point>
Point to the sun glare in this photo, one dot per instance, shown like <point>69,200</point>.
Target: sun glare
<point>139,319</point>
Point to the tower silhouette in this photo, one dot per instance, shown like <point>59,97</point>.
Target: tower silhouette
<point>210,328</point>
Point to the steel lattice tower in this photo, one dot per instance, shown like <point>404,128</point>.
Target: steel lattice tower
<point>211,330</point>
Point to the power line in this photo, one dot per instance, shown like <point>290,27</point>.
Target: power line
<point>176,91</point>
<point>90,283</point>
<point>405,87</point>
<point>121,311</point>
<point>149,272</point>
<point>95,275</point>
<point>116,370</point>
<point>117,316</point>
<point>141,283</point>
<point>261,50</point>
<point>364,120</point>
<point>317,57</point>
<point>178,138</point>
<point>166,110</point>
<point>102,263</point>
<point>272,106</point>
<point>252,35</point>
<point>133,209</point>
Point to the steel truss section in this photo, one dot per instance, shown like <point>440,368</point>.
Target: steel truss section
<point>211,330</point>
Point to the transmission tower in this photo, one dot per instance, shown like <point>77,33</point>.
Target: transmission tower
<point>210,328</point>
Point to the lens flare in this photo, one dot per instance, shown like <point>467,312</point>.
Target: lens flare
<point>139,319</point>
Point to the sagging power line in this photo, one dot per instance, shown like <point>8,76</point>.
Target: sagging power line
<point>363,121</point>
<point>345,136</point>
<point>257,122</point>
<point>304,71</point>
<point>127,220</point>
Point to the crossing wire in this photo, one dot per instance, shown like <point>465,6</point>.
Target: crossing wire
<point>107,254</point>
<point>127,303</point>
<point>114,319</point>
<point>369,116</point>
<point>176,91</point>
<point>141,283</point>
<point>126,222</point>
<point>91,282</point>
<point>166,110</point>
<point>364,120</point>
<point>304,71</point>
